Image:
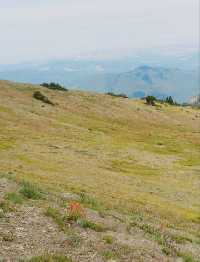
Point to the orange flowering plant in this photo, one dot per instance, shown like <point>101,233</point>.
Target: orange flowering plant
<point>75,211</point>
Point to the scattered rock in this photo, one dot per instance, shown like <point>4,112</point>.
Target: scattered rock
<point>6,235</point>
<point>70,197</point>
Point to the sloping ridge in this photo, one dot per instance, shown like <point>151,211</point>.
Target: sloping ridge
<point>124,160</point>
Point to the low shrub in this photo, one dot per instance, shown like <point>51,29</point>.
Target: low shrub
<point>54,86</point>
<point>39,96</point>
<point>150,100</point>
<point>117,95</point>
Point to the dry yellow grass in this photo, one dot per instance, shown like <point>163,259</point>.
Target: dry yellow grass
<point>128,155</point>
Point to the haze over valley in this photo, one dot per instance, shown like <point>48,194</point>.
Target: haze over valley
<point>135,76</point>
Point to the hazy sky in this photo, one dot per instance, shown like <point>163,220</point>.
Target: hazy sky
<point>36,29</point>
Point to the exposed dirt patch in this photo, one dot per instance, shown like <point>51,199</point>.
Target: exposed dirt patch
<point>6,186</point>
<point>32,232</point>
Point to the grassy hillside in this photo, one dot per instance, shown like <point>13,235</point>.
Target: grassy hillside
<point>125,155</point>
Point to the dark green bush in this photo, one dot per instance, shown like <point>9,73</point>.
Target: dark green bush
<point>54,86</point>
<point>117,95</point>
<point>150,100</point>
<point>39,96</point>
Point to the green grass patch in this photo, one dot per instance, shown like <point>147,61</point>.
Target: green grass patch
<point>154,233</point>
<point>2,214</point>
<point>187,258</point>
<point>49,258</point>
<point>191,161</point>
<point>84,223</point>
<point>132,167</point>
<point>31,191</point>
<point>15,198</point>
<point>181,239</point>
<point>137,217</point>
<point>108,239</point>
<point>160,238</point>
<point>164,144</point>
<point>90,202</point>
<point>6,110</point>
<point>25,159</point>
<point>6,143</point>
<point>108,254</point>
<point>9,175</point>
<point>58,218</point>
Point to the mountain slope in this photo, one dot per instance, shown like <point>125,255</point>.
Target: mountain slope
<point>139,161</point>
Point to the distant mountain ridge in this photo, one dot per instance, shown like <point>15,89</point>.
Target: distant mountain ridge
<point>147,80</point>
<point>118,76</point>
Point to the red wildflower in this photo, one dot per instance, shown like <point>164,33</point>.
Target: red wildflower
<point>75,211</point>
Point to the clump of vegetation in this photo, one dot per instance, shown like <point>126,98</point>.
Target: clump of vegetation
<point>15,198</point>
<point>31,191</point>
<point>1,213</point>
<point>154,233</point>
<point>151,100</point>
<point>39,96</point>
<point>58,218</point>
<point>54,86</point>
<point>90,202</point>
<point>75,211</point>
<point>117,95</point>
<point>137,218</point>
<point>108,239</point>
<point>84,223</point>
<point>164,240</point>
<point>6,206</point>
<point>50,258</point>
<point>108,254</point>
